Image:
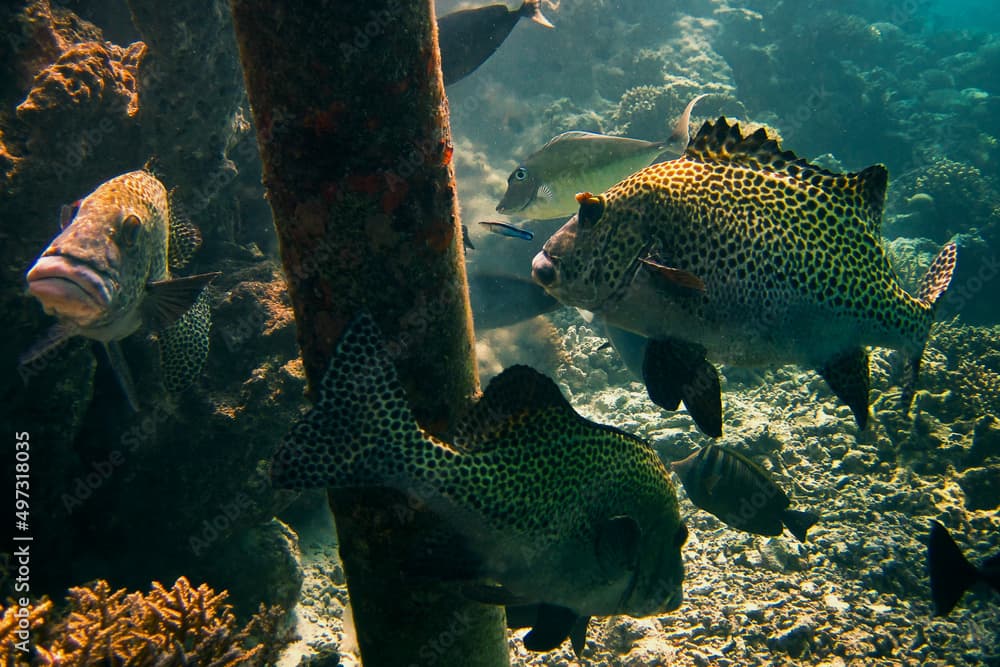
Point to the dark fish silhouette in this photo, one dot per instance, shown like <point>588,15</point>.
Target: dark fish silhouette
<point>468,37</point>
<point>740,493</point>
<point>951,572</point>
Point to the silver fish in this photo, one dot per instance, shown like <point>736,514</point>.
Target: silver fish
<point>107,274</point>
<point>545,185</point>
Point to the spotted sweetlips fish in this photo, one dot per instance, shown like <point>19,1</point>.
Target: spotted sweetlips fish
<point>555,516</point>
<point>741,253</point>
<point>108,273</point>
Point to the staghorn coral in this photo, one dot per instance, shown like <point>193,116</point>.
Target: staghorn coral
<point>180,626</point>
<point>12,622</point>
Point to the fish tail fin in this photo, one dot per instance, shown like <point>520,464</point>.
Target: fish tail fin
<point>361,426</point>
<point>950,571</point>
<point>798,522</point>
<point>932,287</point>
<point>532,9</point>
<point>935,282</point>
<point>184,345</point>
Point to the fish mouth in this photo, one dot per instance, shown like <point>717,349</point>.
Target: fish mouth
<point>506,208</point>
<point>543,270</point>
<point>70,288</point>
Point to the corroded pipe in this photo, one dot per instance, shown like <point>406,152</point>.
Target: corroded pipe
<point>353,131</point>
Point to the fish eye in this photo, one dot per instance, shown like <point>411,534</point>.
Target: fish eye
<point>682,535</point>
<point>129,231</point>
<point>520,173</point>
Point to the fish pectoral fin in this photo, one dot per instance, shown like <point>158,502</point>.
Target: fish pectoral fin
<point>54,338</point>
<point>120,367</point>
<point>675,371</point>
<point>184,345</point>
<point>553,625</point>
<point>671,278</point>
<point>617,545</point>
<point>798,522</point>
<point>168,300</point>
<point>848,377</point>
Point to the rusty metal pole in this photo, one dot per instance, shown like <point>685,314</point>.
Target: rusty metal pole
<point>353,130</point>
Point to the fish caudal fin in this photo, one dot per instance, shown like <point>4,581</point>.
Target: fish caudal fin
<point>184,346</point>
<point>360,426</point>
<point>932,287</point>
<point>185,239</point>
<point>532,9</point>
<point>951,573</point>
<point>798,522</point>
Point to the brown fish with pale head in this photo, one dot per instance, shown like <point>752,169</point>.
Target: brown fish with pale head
<point>108,273</point>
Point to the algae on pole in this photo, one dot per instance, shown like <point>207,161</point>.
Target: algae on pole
<point>353,131</point>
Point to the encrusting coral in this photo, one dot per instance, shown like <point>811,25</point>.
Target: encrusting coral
<point>178,626</point>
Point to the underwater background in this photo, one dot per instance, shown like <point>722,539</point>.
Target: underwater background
<point>181,486</point>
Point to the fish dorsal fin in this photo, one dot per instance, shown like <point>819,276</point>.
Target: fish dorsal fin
<point>510,397</point>
<point>721,141</point>
<point>185,238</point>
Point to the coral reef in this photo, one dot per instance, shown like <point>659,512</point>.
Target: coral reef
<point>182,625</point>
<point>941,199</point>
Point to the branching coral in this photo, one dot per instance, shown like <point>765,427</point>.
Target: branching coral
<point>943,198</point>
<point>973,364</point>
<point>180,626</point>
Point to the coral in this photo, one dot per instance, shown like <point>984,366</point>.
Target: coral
<point>12,621</point>
<point>971,368</point>
<point>942,198</point>
<point>179,626</point>
<point>92,78</point>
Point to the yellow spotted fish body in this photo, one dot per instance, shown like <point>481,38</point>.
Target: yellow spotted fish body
<point>742,253</point>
